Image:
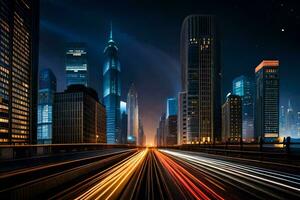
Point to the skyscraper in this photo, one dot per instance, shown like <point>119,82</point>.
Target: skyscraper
<point>133,115</point>
<point>112,91</point>
<point>19,27</point>
<point>282,121</point>
<point>124,122</point>
<point>291,128</point>
<point>172,106</point>
<point>201,74</point>
<point>243,87</point>
<point>267,100</point>
<point>182,122</point>
<point>78,116</point>
<point>161,131</point>
<point>232,119</point>
<point>47,88</point>
<point>76,64</point>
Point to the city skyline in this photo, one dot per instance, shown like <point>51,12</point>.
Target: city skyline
<point>159,48</point>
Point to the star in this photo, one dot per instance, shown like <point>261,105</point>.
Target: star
<point>282,30</point>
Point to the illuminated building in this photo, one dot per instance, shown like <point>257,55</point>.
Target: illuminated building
<point>181,122</point>
<point>19,27</point>
<point>282,121</point>
<point>243,87</point>
<point>112,91</point>
<point>201,74</point>
<point>47,88</point>
<point>124,122</point>
<point>78,116</point>
<point>232,119</point>
<point>133,115</point>
<point>291,129</point>
<point>172,106</point>
<point>267,100</point>
<point>76,64</point>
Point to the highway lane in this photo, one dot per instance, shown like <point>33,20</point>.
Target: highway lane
<point>242,180</point>
<point>171,174</point>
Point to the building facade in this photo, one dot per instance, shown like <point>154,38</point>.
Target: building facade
<point>298,125</point>
<point>78,116</point>
<point>133,116</point>
<point>124,122</point>
<point>112,91</point>
<point>76,64</point>
<point>232,119</point>
<point>291,123</point>
<point>267,100</point>
<point>161,131</point>
<point>141,134</point>
<point>19,28</point>
<point>201,76</point>
<point>243,87</point>
<point>171,129</point>
<point>181,121</point>
<point>282,121</point>
<point>47,89</point>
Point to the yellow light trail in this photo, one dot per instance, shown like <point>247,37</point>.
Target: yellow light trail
<point>115,178</point>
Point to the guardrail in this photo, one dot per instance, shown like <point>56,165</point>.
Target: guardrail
<point>25,151</point>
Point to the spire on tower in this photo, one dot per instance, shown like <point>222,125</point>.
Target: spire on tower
<point>110,34</point>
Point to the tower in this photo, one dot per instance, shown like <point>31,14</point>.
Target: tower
<point>112,90</point>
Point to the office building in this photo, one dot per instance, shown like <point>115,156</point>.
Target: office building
<point>181,121</point>
<point>267,100</point>
<point>243,87</point>
<point>282,121</point>
<point>133,116</point>
<point>171,129</point>
<point>76,64</point>
<point>112,91</point>
<point>201,75</point>
<point>47,89</point>
<point>19,28</point>
<point>124,122</point>
<point>291,124</point>
<point>298,125</point>
<point>232,119</point>
<point>78,116</point>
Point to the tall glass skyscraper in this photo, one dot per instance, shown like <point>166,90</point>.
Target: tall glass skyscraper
<point>124,122</point>
<point>201,75</point>
<point>19,28</point>
<point>172,106</point>
<point>133,116</point>
<point>47,88</point>
<point>112,91</point>
<point>76,64</point>
<point>243,87</point>
<point>267,100</point>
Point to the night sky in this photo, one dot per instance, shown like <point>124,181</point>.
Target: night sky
<point>148,32</point>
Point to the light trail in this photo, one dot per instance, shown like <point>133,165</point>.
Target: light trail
<point>260,179</point>
<point>115,179</point>
<point>192,184</point>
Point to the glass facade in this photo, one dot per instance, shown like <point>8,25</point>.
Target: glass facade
<point>76,64</point>
<point>124,119</point>
<point>47,88</point>
<point>243,87</point>
<point>112,91</point>
<point>172,106</point>
<point>267,100</point>
<point>133,116</point>
<point>201,74</point>
<point>18,70</point>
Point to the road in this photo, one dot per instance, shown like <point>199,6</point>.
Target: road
<point>173,174</point>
